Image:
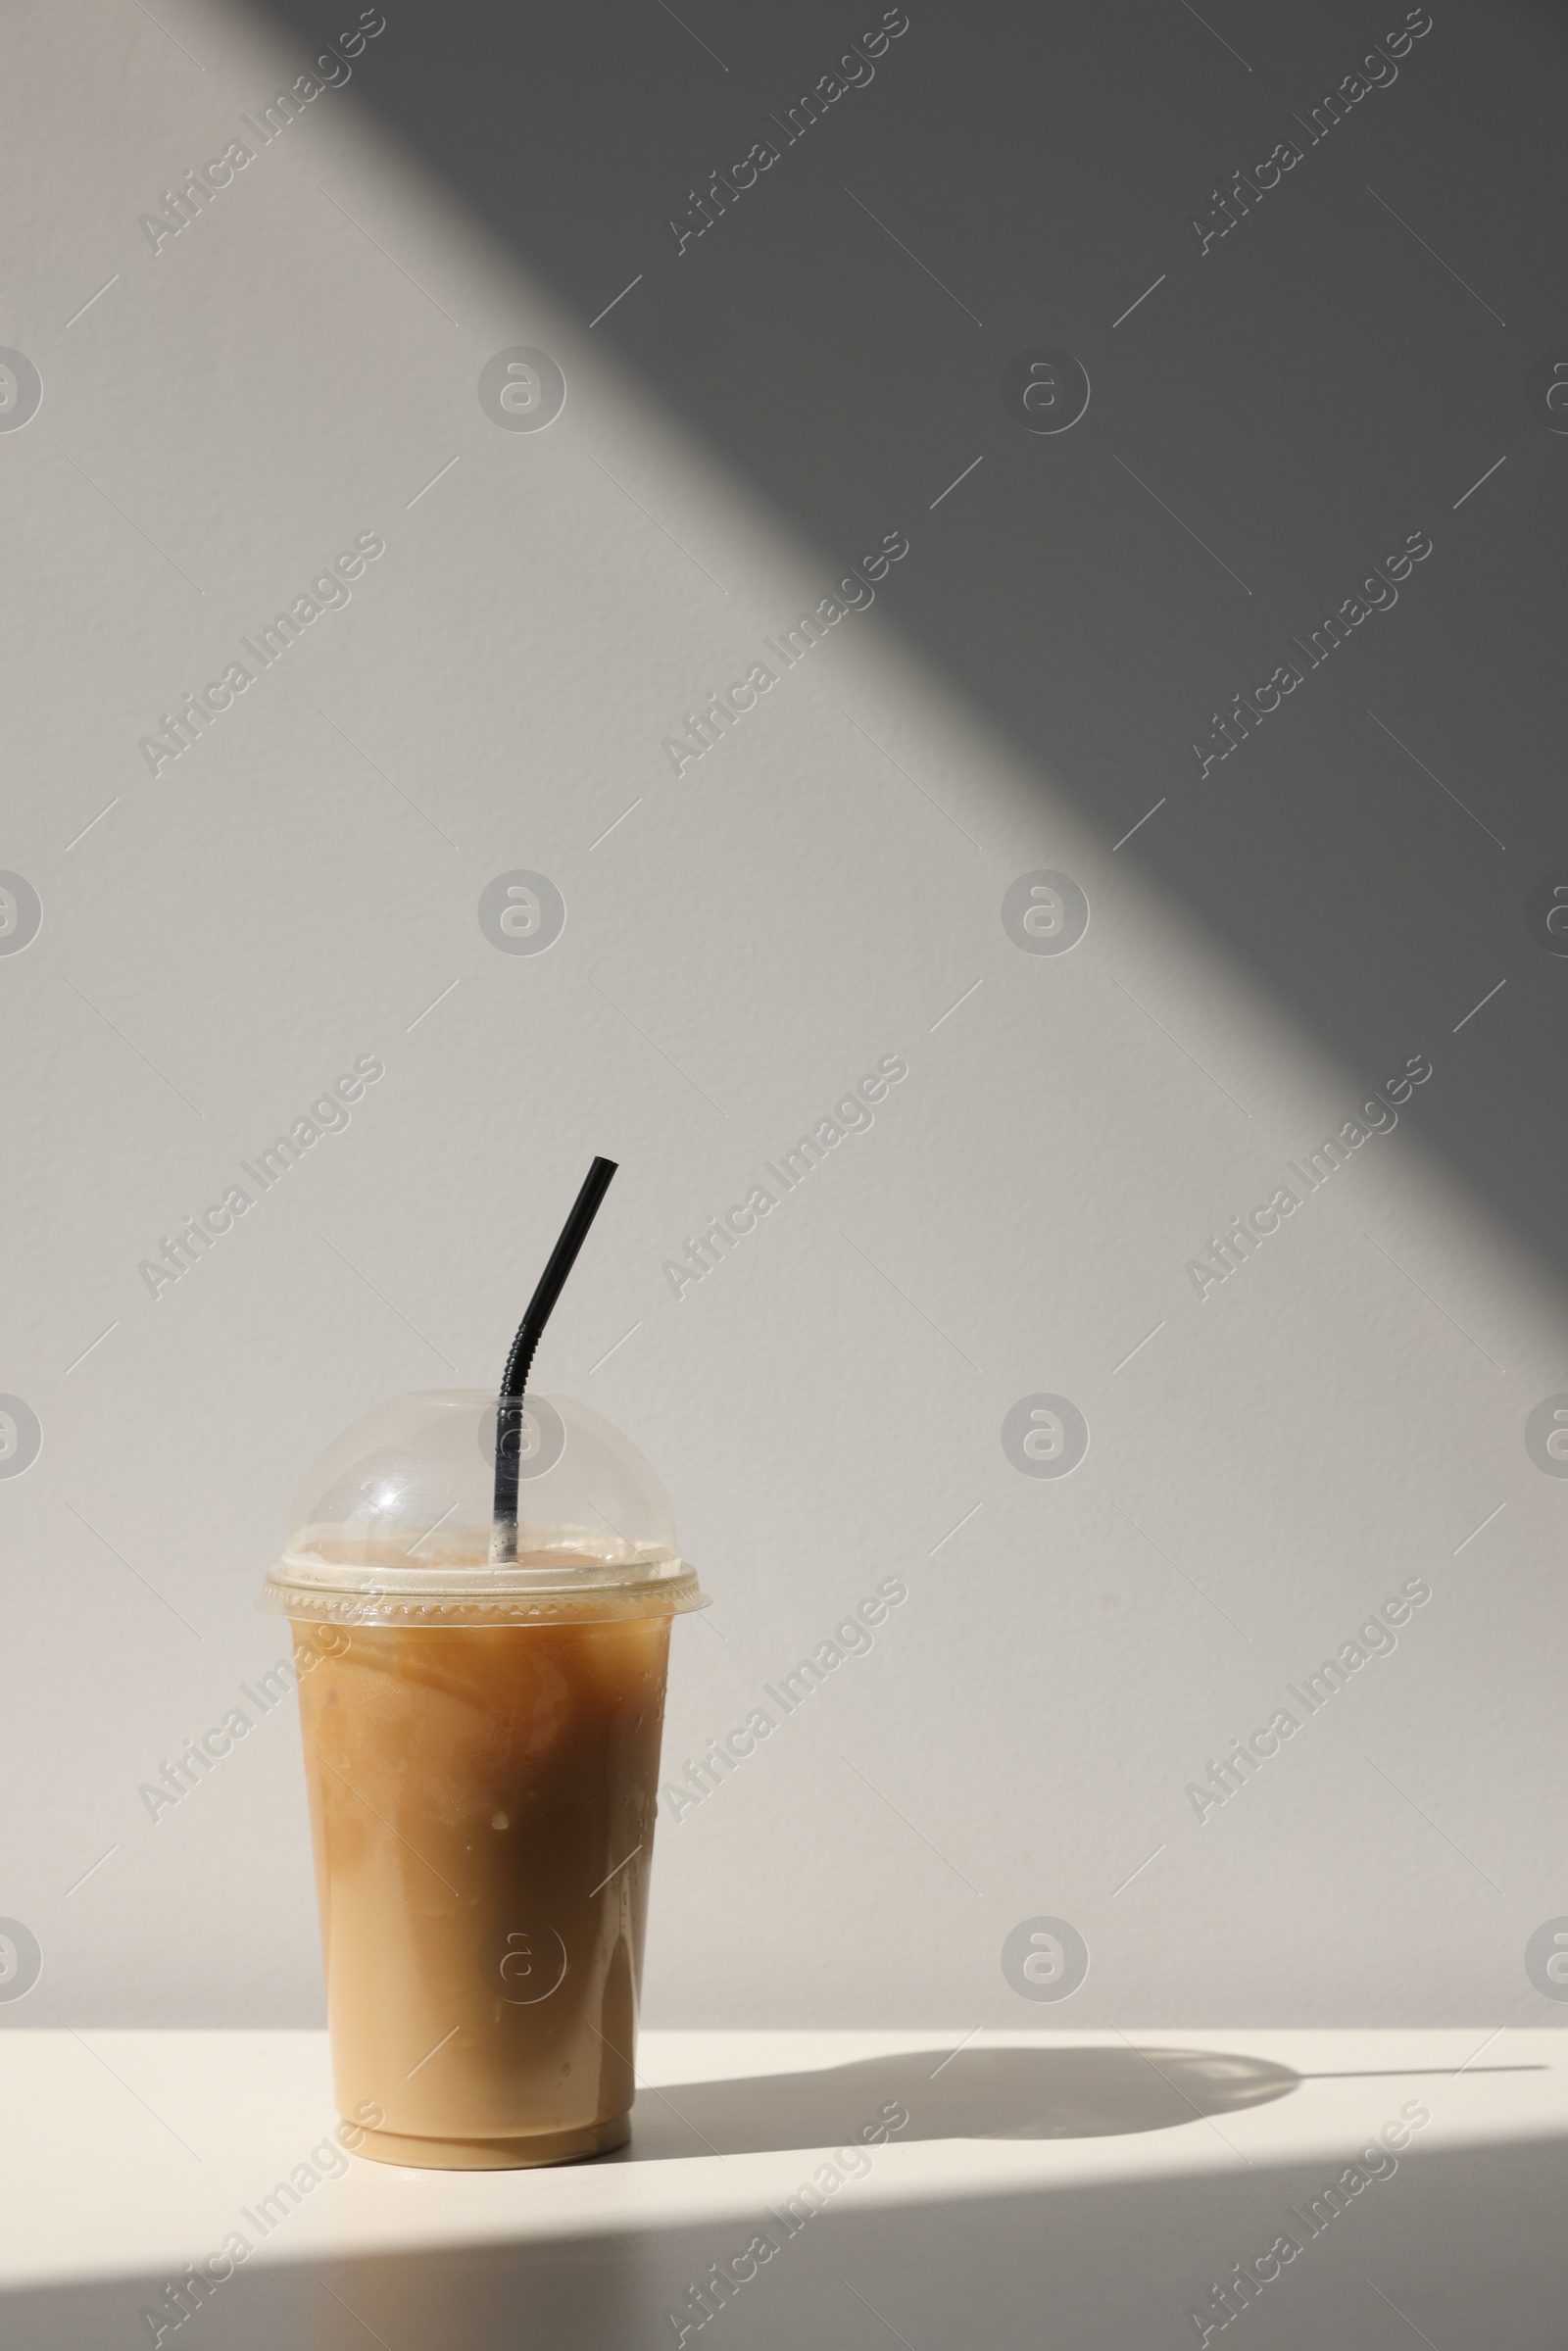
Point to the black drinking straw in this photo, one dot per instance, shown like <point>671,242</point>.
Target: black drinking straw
<point>514,1378</point>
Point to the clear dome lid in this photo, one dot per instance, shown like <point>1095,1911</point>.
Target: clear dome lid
<point>393,1524</point>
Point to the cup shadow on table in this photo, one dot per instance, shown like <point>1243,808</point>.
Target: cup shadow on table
<point>951,2093</point>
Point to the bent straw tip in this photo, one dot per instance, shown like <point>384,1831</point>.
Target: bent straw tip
<point>514,1380</point>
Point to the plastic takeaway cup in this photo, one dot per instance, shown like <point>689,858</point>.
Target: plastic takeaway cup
<point>481,1753</point>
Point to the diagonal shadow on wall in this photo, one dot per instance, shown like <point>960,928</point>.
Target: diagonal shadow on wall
<point>1280,409</point>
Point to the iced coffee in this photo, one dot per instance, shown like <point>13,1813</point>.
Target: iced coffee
<point>482,1807</point>
<point>481,1748</point>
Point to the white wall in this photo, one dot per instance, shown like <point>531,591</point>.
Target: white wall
<point>1267,1464</point>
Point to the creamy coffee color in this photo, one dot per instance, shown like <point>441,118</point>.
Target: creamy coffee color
<point>481,1752</point>
<point>482,1810</point>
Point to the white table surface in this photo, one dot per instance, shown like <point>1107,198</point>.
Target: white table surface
<point>1048,2188</point>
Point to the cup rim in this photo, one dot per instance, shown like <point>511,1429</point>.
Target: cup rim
<point>370,1598</point>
